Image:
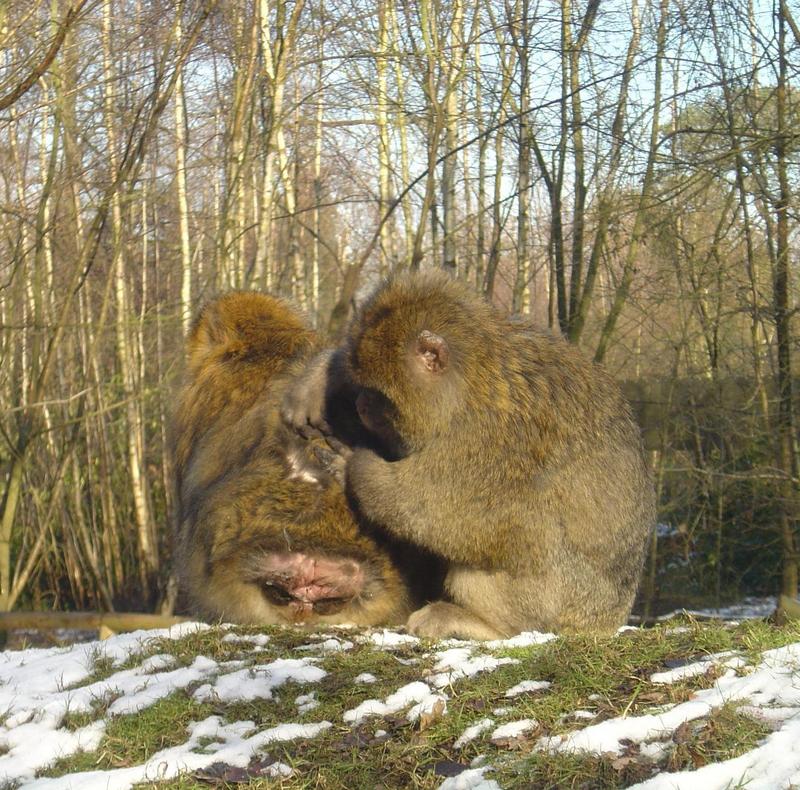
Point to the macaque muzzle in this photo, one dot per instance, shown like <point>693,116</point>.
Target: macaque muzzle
<point>378,415</point>
<point>308,584</point>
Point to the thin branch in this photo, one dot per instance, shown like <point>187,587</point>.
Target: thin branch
<point>38,71</point>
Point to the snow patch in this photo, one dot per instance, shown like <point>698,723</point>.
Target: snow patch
<point>306,702</point>
<point>775,763</point>
<point>747,609</point>
<point>257,640</point>
<point>388,639</point>
<point>258,682</point>
<point>154,687</point>
<point>514,729</point>
<point>37,745</point>
<point>232,744</point>
<point>417,692</point>
<point>473,732</point>
<point>727,659</point>
<point>331,645</point>
<point>527,686</point>
<point>458,662</point>
<point>773,682</point>
<point>525,639</point>
<point>471,779</point>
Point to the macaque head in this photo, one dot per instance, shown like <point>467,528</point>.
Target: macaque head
<point>232,329</point>
<point>304,584</point>
<point>406,351</point>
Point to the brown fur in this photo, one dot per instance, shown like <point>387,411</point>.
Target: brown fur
<point>263,534</point>
<point>520,462</point>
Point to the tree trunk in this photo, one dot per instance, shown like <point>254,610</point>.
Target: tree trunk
<point>181,143</point>
<point>786,427</point>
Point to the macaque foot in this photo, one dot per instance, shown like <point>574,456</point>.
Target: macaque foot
<point>308,584</point>
<point>442,620</point>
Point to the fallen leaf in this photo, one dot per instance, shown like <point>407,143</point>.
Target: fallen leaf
<point>621,763</point>
<point>218,774</point>
<point>653,696</point>
<point>683,733</point>
<point>632,768</point>
<point>515,743</point>
<point>427,718</point>
<point>446,767</point>
<point>629,748</point>
<point>355,739</point>
<point>699,759</point>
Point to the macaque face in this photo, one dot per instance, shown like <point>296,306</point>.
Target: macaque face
<point>379,416</point>
<point>305,586</point>
<point>407,386</point>
<point>293,556</point>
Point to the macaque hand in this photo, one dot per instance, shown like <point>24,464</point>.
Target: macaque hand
<point>303,407</point>
<point>334,458</point>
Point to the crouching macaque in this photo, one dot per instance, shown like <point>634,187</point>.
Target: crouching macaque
<point>507,453</point>
<point>264,535</point>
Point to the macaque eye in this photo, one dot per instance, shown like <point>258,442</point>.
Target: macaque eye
<point>330,605</point>
<point>276,595</point>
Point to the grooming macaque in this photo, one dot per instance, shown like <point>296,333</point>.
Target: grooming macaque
<point>508,454</point>
<point>264,535</point>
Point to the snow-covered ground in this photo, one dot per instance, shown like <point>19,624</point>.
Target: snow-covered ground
<point>39,689</point>
<point>770,689</point>
<point>746,608</point>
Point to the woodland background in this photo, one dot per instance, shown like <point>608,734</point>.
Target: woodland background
<point>624,172</point>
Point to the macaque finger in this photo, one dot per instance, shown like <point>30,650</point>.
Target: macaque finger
<point>309,432</point>
<point>333,463</point>
<point>339,447</point>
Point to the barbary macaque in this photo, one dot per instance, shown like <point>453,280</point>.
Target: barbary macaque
<point>508,454</point>
<point>264,535</point>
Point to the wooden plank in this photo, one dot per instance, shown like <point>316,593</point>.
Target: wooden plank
<point>113,621</point>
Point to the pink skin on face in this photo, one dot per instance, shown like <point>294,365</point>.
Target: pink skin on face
<point>304,580</point>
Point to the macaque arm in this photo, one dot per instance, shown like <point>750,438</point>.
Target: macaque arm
<point>409,501</point>
<point>303,407</point>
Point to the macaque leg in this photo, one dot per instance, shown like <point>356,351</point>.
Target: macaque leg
<point>440,620</point>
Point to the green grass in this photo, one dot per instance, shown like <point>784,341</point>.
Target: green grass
<point>130,740</point>
<point>608,677</point>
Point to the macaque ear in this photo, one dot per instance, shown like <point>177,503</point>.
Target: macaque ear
<point>432,351</point>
